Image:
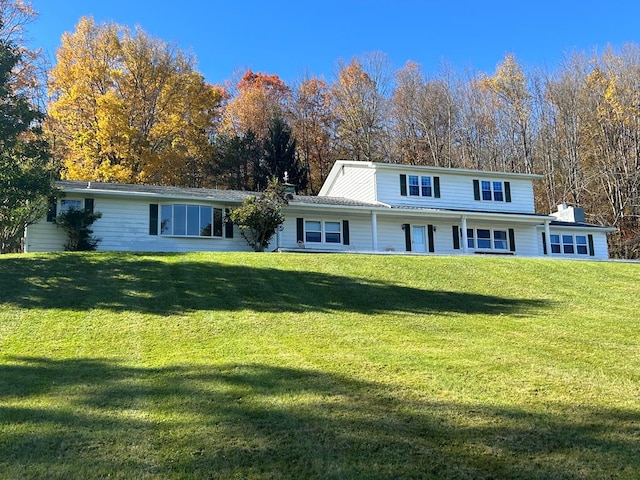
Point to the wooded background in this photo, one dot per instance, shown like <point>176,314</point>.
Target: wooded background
<point>125,107</point>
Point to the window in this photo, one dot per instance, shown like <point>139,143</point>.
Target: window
<point>471,243</point>
<point>500,240</point>
<point>426,186</point>
<point>490,191</point>
<point>66,205</point>
<point>497,192</point>
<point>316,230</point>
<point>414,190</point>
<point>313,231</point>
<point>420,186</point>
<point>581,245</point>
<point>569,244</point>
<point>190,220</point>
<point>332,232</point>
<point>486,190</point>
<point>486,239</point>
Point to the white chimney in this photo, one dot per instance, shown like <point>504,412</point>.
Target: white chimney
<point>569,213</point>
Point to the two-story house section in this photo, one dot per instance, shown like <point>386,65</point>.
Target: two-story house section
<point>362,207</point>
<point>426,209</point>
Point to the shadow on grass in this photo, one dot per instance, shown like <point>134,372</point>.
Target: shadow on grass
<point>129,282</point>
<point>260,421</point>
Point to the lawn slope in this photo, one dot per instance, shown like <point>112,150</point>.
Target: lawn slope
<point>291,366</point>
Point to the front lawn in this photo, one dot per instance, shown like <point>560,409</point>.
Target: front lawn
<point>300,366</point>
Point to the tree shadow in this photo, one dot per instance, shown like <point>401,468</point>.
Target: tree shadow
<point>130,282</point>
<point>260,421</point>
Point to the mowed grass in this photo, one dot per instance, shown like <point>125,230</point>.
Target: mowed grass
<point>300,366</point>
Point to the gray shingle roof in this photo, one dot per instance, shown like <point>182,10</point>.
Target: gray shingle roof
<point>231,196</point>
<point>156,190</point>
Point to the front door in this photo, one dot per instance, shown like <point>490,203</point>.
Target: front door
<point>419,239</point>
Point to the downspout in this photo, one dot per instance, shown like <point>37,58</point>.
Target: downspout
<point>465,244</point>
<point>374,231</point>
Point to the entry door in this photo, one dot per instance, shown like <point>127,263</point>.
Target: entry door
<point>419,239</point>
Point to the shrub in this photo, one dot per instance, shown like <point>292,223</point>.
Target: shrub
<point>77,225</point>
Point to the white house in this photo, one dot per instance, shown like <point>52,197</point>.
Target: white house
<point>362,207</point>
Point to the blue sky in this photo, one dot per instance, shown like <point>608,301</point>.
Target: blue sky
<point>298,38</point>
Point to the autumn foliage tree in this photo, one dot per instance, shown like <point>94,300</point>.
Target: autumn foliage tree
<point>25,171</point>
<point>259,97</point>
<point>129,108</point>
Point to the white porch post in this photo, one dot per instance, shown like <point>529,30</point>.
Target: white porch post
<point>464,235</point>
<point>374,231</point>
<point>547,237</point>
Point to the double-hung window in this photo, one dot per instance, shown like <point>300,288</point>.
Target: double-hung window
<point>313,231</point>
<point>317,231</point>
<point>425,186</point>
<point>568,244</point>
<point>491,191</point>
<point>332,232</point>
<point>414,186</point>
<point>420,186</point>
<point>487,239</point>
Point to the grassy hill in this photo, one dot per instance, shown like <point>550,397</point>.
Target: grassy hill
<point>317,366</point>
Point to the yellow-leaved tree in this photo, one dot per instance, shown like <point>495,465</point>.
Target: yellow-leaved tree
<point>127,107</point>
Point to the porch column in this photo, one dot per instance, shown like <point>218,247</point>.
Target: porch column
<point>465,244</point>
<point>374,231</point>
<point>547,237</point>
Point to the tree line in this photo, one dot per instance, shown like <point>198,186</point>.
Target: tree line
<point>126,107</point>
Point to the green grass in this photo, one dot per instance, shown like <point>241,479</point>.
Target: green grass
<point>285,366</point>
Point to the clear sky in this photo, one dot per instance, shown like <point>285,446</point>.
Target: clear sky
<point>296,38</point>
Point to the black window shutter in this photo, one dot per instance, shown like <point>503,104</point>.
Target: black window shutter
<point>544,243</point>
<point>52,211</point>
<point>407,236</point>
<point>300,229</point>
<point>512,240</point>
<point>436,187</point>
<point>456,237</point>
<point>88,205</point>
<point>403,185</point>
<point>430,238</point>
<point>345,232</point>
<point>592,250</point>
<point>228,224</point>
<point>153,219</point>
<point>476,189</point>
<point>217,222</point>
<point>507,191</point>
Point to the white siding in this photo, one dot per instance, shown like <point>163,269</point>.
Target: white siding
<point>391,236</point>
<point>125,226</point>
<point>356,182</point>
<point>456,191</point>
<point>44,237</point>
<point>360,234</point>
<point>600,245</point>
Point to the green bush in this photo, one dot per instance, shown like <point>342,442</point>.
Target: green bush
<point>77,225</point>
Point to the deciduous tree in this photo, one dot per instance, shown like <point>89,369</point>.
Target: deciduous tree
<point>260,216</point>
<point>25,171</point>
<point>130,108</point>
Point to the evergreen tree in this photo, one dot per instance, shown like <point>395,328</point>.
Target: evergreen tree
<point>280,157</point>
